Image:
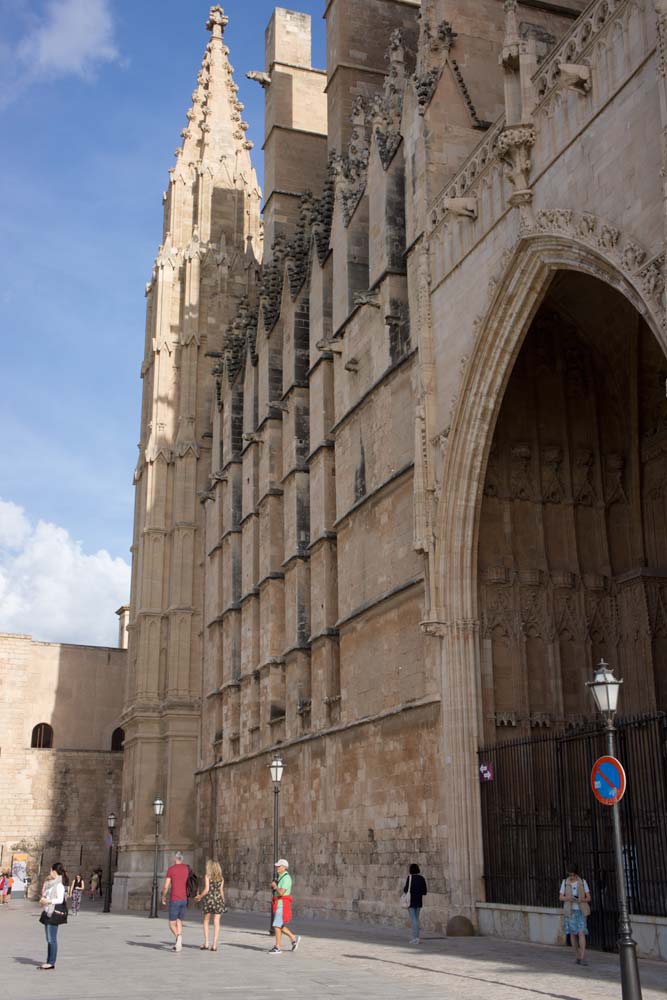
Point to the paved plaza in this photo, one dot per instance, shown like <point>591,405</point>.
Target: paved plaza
<point>121,956</point>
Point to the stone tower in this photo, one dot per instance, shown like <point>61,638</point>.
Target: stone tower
<point>206,267</point>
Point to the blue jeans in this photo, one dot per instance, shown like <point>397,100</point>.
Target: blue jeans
<point>51,931</point>
<point>414,913</point>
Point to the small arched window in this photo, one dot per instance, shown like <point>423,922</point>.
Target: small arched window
<point>42,736</point>
<point>117,739</point>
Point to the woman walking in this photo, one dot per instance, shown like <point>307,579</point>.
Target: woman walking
<point>214,902</point>
<point>576,897</point>
<point>76,892</point>
<point>53,906</point>
<point>415,884</point>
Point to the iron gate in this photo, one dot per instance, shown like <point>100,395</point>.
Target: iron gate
<point>539,813</point>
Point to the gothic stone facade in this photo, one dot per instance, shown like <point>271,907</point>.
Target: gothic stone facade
<point>402,466</point>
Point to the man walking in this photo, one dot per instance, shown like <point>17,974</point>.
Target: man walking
<point>176,879</point>
<point>282,907</point>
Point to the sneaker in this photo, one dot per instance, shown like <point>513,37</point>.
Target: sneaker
<point>296,942</point>
<point>414,941</point>
<point>179,943</point>
<point>275,951</point>
<point>583,961</point>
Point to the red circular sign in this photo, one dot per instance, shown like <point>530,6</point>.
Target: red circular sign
<point>608,780</point>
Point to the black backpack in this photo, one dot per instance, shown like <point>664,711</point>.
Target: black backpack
<point>192,884</point>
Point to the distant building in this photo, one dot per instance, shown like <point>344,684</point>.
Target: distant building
<point>402,474</point>
<point>61,753</point>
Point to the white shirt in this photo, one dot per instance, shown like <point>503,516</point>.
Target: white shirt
<point>574,886</point>
<point>55,894</point>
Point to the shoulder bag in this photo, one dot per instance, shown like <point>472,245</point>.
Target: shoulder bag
<point>59,915</point>
<point>405,896</point>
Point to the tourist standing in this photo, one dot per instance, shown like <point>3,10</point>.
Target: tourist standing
<point>576,897</point>
<point>214,902</point>
<point>176,883</point>
<point>3,887</point>
<point>54,909</point>
<point>94,883</point>
<point>415,884</point>
<point>282,907</point>
<point>10,885</point>
<point>76,892</point>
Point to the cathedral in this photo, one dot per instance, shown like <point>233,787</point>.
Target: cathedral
<point>402,469</point>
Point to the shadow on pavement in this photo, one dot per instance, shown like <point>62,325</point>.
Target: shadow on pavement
<point>26,961</point>
<point>147,944</point>
<point>461,975</point>
<point>245,947</point>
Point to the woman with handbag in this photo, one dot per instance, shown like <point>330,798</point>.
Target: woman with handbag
<point>414,890</point>
<point>575,896</point>
<point>54,912</point>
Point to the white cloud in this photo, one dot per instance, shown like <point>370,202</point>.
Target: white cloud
<point>73,38</point>
<point>70,38</point>
<point>14,525</point>
<point>51,589</point>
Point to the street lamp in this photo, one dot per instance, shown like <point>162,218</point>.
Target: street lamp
<point>158,809</point>
<point>606,688</point>
<point>276,768</point>
<point>111,822</point>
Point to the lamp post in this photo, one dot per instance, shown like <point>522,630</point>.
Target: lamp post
<point>605,689</point>
<point>158,809</point>
<point>276,768</point>
<point>111,822</point>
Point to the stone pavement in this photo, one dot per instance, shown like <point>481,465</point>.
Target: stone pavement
<point>122,956</point>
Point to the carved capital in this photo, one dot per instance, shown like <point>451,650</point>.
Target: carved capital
<point>513,146</point>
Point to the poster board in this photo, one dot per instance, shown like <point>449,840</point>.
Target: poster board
<point>19,872</point>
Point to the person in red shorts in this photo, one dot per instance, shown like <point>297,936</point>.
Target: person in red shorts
<point>176,880</point>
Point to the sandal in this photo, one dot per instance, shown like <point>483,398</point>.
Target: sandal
<point>214,949</point>
<point>203,947</point>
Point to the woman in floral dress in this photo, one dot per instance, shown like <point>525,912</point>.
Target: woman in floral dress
<point>214,902</point>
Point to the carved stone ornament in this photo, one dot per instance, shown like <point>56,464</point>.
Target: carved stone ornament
<point>577,44</point>
<point>661,13</point>
<point>629,255</point>
<point>435,43</point>
<point>513,146</point>
<point>351,169</point>
<point>168,255</point>
<point>217,21</point>
<point>387,107</point>
<point>464,207</point>
<point>574,76</point>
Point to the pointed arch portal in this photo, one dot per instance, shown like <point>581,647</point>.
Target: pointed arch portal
<point>552,548</point>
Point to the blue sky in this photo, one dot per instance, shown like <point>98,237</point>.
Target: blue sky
<point>93,95</point>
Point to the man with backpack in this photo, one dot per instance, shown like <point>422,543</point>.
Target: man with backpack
<point>177,878</point>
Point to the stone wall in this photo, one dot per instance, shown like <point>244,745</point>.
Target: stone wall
<point>358,804</point>
<point>55,802</point>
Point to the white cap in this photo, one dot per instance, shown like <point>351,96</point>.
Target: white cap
<point>281,863</point>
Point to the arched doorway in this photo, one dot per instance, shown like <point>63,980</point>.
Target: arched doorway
<point>572,549</point>
<point>530,283</point>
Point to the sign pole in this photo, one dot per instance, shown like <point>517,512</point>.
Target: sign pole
<point>630,985</point>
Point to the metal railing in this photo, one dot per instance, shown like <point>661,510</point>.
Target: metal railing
<point>539,813</point>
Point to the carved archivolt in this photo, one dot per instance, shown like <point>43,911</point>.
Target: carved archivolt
<point>647,274</point>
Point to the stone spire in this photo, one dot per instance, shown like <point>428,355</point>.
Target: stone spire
<point>204,268</point>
